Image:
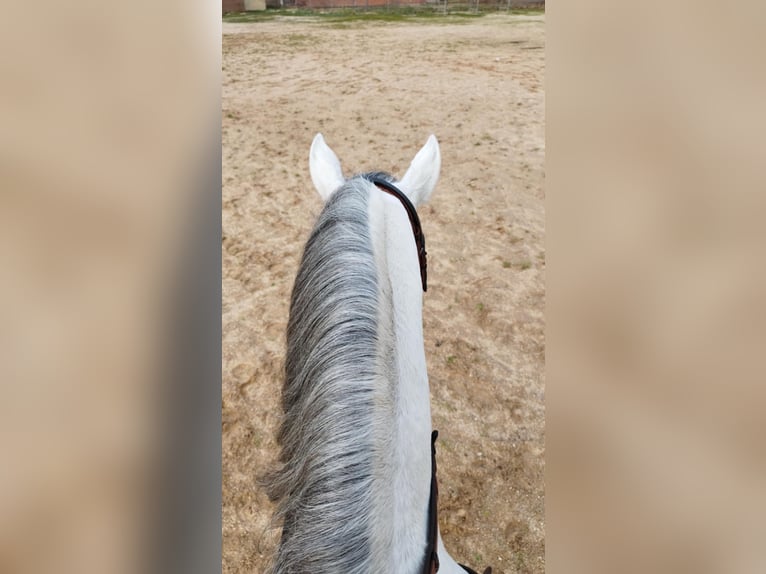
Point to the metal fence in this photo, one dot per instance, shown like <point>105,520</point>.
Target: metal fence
<point>445,6</point>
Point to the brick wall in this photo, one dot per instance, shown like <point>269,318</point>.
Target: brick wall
<point>486,4</point>
<point>357,3</point>
<point>239,5</point>
<point>233,6</point>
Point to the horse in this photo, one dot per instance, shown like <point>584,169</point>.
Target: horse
<point>356,488</point>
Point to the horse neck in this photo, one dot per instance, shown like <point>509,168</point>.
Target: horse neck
<point>403,413</point>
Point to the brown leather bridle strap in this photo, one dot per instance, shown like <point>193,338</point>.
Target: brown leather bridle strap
<point>431,563</point>
<point>420,239</point>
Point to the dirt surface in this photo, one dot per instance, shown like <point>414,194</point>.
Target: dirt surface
<point>376,91</point>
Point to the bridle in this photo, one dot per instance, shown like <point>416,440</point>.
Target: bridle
<point>431,559</point>
<point>417,231</point>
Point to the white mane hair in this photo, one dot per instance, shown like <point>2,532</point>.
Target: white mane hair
<point>325,483</point>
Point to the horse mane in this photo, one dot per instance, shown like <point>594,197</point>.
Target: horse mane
<point>323,487</point>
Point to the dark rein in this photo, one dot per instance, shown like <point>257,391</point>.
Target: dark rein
<point>431,561</point>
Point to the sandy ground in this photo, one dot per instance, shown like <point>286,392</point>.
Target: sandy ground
<point>376,91</point>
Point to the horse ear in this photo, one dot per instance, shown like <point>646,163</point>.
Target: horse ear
<point>421,177</point>
<point>324,167</point>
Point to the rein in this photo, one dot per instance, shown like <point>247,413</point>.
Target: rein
<point>420,239</point>
<point>431,564</point>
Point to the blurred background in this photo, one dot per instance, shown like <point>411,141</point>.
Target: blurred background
<point>109,288</point>
<point>656,288</point>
